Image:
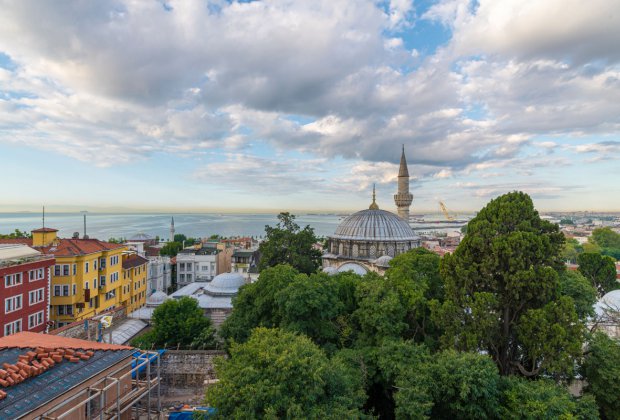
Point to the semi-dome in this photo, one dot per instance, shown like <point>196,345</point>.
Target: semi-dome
<point>157,298</point>
<point>225,283</point>
<point>383,261</point>
<point>330,270</point>
<point>375,225</point>
<point>609,302</point>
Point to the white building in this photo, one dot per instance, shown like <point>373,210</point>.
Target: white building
<point>196,265</point>
<point>159,274</point>
<point>215,297</point>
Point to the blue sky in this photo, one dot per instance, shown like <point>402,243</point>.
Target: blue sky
<point>294,105</point>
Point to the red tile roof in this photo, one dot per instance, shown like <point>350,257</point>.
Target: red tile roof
<point>41,230</point>
<point>75,247</point>
<point>133,260</point>
<point>27,339</point>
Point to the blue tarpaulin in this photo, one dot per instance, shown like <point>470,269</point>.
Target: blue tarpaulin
<point>140,357</point>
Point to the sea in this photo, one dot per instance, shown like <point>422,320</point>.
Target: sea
<point>118,225</point>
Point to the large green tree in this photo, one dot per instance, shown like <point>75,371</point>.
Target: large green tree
<point>600,270</point>
<point>278,374</point>
<point>502,276</point>
<point>179,323</point>
<point>602,373</point>
<point>575,285</point>
<point>286,243</point>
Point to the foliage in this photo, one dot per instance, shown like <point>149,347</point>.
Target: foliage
<point>572,248</point>
<point>279,374</point>
<point>506,266</point>
<point>600,270</point>
<point>179,323</point>
<point>606,238</point>
<point>539,399</point>
<point>419,268</point>
<point>171,249</point>
<point>116,240</point>
<point>602,373</point>
<point>255,304</point>
<point>286,243</point>
<point>576,286</point>
<point>566,221</point>
<point>17,234</point>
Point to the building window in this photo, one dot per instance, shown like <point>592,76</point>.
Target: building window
<point>86,267</point>
<point>94,283</point>
<point>35,320</point>
<point>114,260</point>
<point>38,274</point>
<point>182,267</point>
<point>36,296</point>
<point>57,270</point>
<point>95,265</point>
<point>12,304</point>
<point>11,280</point>
<point>189,278</point>
<point>86,285</point>
<point>61,290</point>
<point>182,278</point>
<point>13,327</point>
<point>74,269</point>
<point>74,290</point>
<point>102,263</point>
<point>101,281</point>
<point>65,309</point>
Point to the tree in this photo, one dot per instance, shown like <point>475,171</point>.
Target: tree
<point>506,266</point>
<point>171,249</point>
<point>600,270</point>
<point>601,370</point>
<point>419,268</point>
<point>576,286</point>
<point>279,374</point>
<point>286,243</point>
<point>571,250</point>
<point>542,399</point>
<point>256,305</point>
<point>606,238</point>
<point>17,234</point>
<point>180,323</point>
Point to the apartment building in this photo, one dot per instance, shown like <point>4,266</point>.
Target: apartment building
<point>24,289</point>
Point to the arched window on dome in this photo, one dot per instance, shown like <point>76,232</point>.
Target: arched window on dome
<point>355,251</point>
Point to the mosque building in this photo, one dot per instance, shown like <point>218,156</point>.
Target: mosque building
<point>367,240</point>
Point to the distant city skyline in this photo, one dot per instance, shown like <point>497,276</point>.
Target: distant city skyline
<point>268,106</point>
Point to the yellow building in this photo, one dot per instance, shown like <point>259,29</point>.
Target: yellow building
<point>86,279</point>
<point>133,291</point>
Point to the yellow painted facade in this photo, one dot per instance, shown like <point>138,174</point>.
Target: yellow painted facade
<point>83,285</point>
<point>134,287</point>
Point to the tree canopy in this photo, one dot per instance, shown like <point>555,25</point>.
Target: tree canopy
<point>286,243</point>
<point>16,234</point>
<point>602,371</point>
<point>279,374</point>
<point>500,281</point>
<point>600,270</point>
<point>178,323</point>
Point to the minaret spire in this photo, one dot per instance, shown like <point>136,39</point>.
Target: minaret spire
<point>172,229</point>
<point>403,197</point>
<point>374,205</point>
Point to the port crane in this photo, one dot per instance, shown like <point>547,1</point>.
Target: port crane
<point>446,212</point>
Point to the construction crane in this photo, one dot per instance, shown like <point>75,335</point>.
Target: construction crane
<point>446,213</point>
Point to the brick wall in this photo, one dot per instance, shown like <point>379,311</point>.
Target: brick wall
<point>184,371</point>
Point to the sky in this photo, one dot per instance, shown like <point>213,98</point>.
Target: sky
<point>302,105</point>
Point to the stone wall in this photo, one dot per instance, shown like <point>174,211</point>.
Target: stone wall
<point>185,371</point>
<point>77,329</point>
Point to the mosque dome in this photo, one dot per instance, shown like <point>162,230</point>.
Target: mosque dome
<point>609,302</point>
<point>383,261</point>
<point>375,225</point>
<point>157,298</point>
<point>225,283</point>
<point>351,266</point>
<point>330,270</point>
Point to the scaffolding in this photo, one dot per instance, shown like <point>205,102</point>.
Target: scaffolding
<point>93,400</point>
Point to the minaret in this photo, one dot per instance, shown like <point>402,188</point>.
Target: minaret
<point>374,205</point>
<point>403,197</point>
<point>172,230</point>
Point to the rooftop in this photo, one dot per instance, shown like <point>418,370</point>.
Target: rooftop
<point>49,367</point>
<point>134,260</point>
<point>76,247</point>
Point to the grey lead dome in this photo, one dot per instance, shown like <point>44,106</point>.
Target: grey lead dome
<point>370,225</point>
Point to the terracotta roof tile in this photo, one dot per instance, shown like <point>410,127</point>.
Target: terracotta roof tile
<point>74,247</point>
<point>45,229</point>
<point>134,260</point>
<point>27,339</point>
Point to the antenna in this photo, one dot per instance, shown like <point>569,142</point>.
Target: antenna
<point>85,235</point>
<point>43,216</point>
